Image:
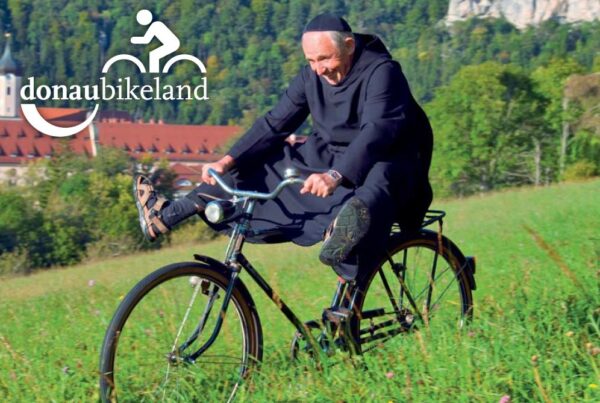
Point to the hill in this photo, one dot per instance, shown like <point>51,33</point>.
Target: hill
<point>535,336</point>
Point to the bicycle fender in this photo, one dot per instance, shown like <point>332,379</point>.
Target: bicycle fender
<point>211,263</point>
<point>467,262</point>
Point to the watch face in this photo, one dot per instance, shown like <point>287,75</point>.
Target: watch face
<point>335,175</point>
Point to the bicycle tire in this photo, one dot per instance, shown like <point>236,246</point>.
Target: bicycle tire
<point>379,318</point>
<point>137,362</point>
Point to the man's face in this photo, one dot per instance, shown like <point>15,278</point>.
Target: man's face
<point>325,58</point>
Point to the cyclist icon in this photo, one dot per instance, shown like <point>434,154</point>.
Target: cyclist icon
<point>158,30</point>
<point>170,44</point>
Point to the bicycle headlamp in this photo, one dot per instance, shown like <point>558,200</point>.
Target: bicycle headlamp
<point>218,210</point>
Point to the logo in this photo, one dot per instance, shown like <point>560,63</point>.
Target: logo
<point>123,90</point>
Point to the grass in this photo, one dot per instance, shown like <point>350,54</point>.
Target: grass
<point>536,334</point>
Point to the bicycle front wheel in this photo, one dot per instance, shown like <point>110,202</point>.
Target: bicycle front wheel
<point>420,283</point>
<point>150,348</point>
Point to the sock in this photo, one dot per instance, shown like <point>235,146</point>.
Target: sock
<point>173,212</point>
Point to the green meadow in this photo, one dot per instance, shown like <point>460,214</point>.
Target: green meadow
<point>535,334</point>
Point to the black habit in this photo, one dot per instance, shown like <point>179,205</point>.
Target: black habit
<point>368,127</point>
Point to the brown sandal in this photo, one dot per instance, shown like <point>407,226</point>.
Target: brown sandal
<point>149,218</point>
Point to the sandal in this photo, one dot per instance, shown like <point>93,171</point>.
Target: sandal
<point>150,221</point>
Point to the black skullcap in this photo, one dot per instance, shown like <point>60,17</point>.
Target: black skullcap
<point>327,22</point>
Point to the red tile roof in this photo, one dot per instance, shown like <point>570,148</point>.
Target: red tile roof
<point>172,142</point>
<point>19,142</point>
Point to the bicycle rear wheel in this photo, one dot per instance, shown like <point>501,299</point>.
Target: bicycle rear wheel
<point>143,358</point>
<point>417,284</point>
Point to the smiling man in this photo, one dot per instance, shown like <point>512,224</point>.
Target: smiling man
<point>366,164</point>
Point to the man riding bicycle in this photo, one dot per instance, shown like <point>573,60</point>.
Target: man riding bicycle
<point>366,163</point>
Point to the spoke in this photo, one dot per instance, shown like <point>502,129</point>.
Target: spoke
<point>150,364</point>
<point>408,295</point>
<point>449,284</point>
<point>204,360</point>
<point>427,286</point>
<point>185,317</point>
<point>388,290</point>
<point>214,293</point>
<point>424,279</point>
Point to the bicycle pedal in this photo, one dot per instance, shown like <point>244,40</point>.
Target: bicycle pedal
<point>337,315</point>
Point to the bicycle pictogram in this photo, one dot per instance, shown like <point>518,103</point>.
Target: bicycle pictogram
<point>170,44</point>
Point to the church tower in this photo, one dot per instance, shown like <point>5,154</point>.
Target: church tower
<point>10,84</point>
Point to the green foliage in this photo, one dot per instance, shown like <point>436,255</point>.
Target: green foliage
<point>580,170</point>
<point>525,306</point>
<point>503,103</point>
<point>22,239</point>
<point>256,46</point>
<point>193,230</point>
<point>483,121</point>
<point>72,208</point>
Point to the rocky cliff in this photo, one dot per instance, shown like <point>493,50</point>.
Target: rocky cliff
<point>522,13</point>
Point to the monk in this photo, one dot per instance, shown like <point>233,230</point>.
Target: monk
<point>366,164</point>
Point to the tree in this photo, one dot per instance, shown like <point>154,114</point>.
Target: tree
<point>482,126</point>
<point>550,84</point>
<point>583,92</point>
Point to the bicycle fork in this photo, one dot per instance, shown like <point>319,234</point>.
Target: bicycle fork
<point>232,254</point>
<point>213,295</point>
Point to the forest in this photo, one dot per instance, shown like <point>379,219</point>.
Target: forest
<point>509,107</point>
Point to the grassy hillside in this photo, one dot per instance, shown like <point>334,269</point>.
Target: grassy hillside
<point>536,333</point>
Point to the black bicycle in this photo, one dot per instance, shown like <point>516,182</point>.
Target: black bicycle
<point>192,327</point>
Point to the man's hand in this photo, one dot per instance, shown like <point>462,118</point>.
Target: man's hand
<point>321,185</point>
<point>221,166</point>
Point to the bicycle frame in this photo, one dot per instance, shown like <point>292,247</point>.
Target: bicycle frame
<point>236,261</point>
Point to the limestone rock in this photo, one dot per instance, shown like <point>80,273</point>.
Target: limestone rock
<point>523,13</point>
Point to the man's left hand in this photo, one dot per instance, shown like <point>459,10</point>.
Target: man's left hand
<point>321,185</point>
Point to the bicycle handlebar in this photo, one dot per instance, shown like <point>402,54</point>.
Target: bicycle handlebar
<point>254,195</point>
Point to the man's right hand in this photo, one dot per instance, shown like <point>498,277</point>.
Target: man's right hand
<point>221,166</point>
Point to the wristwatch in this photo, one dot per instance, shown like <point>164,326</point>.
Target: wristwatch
<point>335,175</point>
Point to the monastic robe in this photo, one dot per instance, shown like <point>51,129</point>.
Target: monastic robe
<point>368,127</point>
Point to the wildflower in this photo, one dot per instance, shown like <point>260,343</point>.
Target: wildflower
<point>534,359</point>
<point>504,399</point>
<point>389,375</point>
<point>91,283</point>
<point>65,369</point>
<point>593,386</point>
<point>569,333</point>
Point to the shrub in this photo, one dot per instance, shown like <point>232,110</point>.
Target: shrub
<point>580,170</point>
<point>193,230</point>
<point>15,262</point>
